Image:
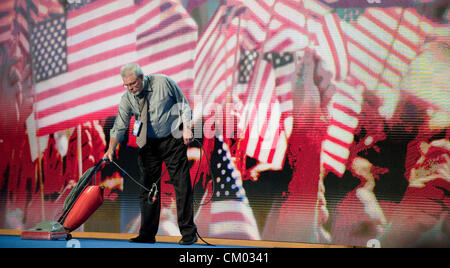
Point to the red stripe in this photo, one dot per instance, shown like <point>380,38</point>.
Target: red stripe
<point>341,125</point>
<point>338,141</point>
<point>337,158</point>
<point>332,169</point>
<point>345,109</point>
<point>274,146</point>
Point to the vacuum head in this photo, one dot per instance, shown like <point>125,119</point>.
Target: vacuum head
<point>47,230</point>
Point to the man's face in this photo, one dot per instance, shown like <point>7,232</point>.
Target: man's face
<point>133,84</point>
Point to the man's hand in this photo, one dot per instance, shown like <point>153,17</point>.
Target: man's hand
<point>109,155</point>
<point>111,148</point>
<point>188,136</point>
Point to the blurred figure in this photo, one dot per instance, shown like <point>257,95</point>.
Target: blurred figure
<point>422,218</point>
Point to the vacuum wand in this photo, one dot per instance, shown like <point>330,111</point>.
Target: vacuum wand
<point>153,192</point>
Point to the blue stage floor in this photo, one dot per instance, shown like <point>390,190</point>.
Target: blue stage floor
<point>14,241</point>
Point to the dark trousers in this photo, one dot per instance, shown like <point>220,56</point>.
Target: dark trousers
<point>173,152</point>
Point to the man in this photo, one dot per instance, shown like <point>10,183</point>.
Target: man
<point>161,110</point>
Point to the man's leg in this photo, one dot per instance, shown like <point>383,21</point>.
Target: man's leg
<point>150,164</point>
<point>176,161</point>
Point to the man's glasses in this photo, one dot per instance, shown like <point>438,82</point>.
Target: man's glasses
<point>132,84</point>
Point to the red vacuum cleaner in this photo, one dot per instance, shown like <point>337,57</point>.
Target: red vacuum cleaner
<point>79,205</point>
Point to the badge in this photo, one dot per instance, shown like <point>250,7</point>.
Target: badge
<point>137,128</point>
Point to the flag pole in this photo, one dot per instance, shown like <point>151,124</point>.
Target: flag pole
<point>79,152</point>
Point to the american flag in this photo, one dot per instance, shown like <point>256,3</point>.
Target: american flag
<point>229,214</point>
<point>254,22</point>
<point>266,116</point>
<point>77,70</point>
<point>262,93</point>
<point>166,40</point>
<point>379,44</point>
<point>216,57</point>
<point>346,105</point>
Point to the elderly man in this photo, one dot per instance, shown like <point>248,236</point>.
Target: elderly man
<point>163,130</point>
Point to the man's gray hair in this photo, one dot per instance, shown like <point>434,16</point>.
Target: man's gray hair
<point>131,68</point>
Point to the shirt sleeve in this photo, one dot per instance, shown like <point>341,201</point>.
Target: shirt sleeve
<point>122,120</point>
<point>180,100</point>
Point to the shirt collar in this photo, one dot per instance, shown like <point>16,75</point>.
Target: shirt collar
<point>145,87</point>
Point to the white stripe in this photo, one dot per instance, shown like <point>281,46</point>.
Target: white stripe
<point>344,118</point>
<point>325,158</point>
<point>338,44</point>
<point>272,131</point>
<point>336,149</point>
<point>280,151</point>
<point>340,134</point>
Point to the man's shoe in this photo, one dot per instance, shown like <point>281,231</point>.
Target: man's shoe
<point>143,239</point>
<point>188,240</point>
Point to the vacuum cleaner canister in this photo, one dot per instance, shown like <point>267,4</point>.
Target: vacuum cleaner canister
<point>87,203</point>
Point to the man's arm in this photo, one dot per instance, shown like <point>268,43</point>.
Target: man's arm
<point>120,127</point>
<point>185,111</point>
